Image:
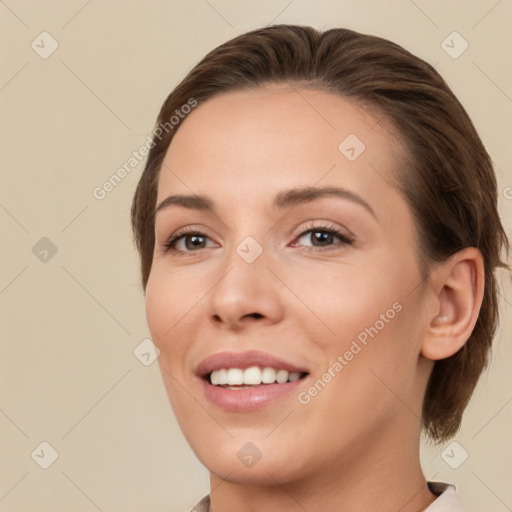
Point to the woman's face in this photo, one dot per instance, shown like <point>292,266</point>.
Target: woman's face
<point>323,289</point>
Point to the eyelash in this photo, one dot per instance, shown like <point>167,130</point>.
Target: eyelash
<point>331,230</point>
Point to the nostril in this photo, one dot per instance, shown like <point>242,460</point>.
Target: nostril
<point>256,315</point>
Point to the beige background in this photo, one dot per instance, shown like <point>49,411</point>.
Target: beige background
<point>69,325</point>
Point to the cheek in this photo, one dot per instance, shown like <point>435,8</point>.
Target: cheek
<point>175,313</point>
<point>370,371</point>
<point>350,300</point>
<point>167,304</point>
<point>367,317</point>
<point>156,315</point>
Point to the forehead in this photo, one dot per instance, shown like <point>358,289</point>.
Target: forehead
<point>278,136</point>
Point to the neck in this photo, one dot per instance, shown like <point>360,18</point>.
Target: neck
<point>371,476</point>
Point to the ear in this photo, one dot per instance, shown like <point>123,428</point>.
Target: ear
<point>458,284</point>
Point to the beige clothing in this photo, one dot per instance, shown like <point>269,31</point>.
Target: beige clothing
<point>446,502</point>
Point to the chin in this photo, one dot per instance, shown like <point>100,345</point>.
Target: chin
<point>263,472</point>
<point>256,463</point>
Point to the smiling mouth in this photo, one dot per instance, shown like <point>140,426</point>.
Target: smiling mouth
<point>254,376</point>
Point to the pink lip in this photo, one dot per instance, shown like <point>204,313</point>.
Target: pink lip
<point>250,398</point>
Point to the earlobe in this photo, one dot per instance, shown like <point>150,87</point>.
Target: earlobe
<point>459,285</point>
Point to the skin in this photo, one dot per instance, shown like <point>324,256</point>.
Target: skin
<point>356,442</point>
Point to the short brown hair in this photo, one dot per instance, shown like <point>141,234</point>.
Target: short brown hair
<point>449,185</point>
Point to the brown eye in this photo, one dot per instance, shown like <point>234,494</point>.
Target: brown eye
<point>324,237</point>
<point>186,242</point>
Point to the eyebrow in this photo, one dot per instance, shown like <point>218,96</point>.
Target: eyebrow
<point>284,199</point>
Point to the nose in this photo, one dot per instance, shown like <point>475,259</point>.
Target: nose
<point>246,294</point>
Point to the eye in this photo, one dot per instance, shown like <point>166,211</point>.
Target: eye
<point>186,241</point>
<point>324,236</point>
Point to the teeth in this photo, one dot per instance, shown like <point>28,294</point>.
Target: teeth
<point>215,378</point>
<point>235,376</point>
<point>223,377</point>
<point>268,376</point>
<point>252,376</point>
<point>282,376</point>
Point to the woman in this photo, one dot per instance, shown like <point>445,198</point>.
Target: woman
<point>318,246</point>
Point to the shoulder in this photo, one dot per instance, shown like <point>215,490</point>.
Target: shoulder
<point>447,500</point>
<point>203,505</point>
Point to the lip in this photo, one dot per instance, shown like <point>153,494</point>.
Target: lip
<point>250,398</point>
